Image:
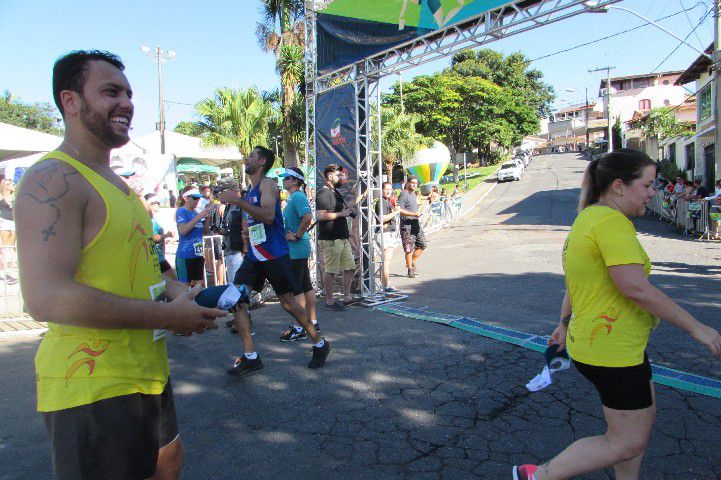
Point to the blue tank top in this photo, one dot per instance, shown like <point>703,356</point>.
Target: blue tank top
<point>267,242</point>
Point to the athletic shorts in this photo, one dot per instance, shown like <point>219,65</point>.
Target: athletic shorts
<point>278,272</point>
<point>217,247</point>
<point>164,266</point>
<point>337,256</point>
<point>116,438</point>
<point>190,269</point>
<point>301,273</point>
<point>412,237</point>
<point>621,388</point>
<point>389,240</point>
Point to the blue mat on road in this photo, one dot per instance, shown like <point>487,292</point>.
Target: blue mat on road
<point>662,375</point>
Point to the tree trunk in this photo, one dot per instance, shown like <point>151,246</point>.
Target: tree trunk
<point>290,149</point>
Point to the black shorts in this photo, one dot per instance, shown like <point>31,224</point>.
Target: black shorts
<point>217,247</point>
<point>190,269</point>
<point>621,388</point>
<point>164,266</point>
<point>253,274</point>
<point>412,236</point>
<point>301,273</point>
<point>115,438</point>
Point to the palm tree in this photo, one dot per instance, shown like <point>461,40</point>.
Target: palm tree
<point>281,32</point>
<point>235,117</point>
<point>399,137</point>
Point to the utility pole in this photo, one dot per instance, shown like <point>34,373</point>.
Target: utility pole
<point>161,56</point>
<point>608,102</point>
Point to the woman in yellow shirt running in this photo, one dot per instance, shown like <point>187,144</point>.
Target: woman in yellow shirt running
<point>607,315</point>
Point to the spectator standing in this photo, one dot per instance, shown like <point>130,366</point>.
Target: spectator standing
<point>412,236</point>
<point>333,233</point>
<point>159,236</point>
<point>190,258</point>
<point>614,309</point>
<point>172,199</point>
<point>297,217</point>
<point>388,214</point>
<point>7,222</point>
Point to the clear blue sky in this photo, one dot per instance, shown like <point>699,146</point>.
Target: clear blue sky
<point>216,46</point>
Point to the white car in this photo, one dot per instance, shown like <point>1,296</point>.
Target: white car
<point>520,163</point>
<point>509,171</point>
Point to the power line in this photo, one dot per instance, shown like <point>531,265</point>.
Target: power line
<point>679,45</point>
<point>604,38</point>
<point>690,24</point>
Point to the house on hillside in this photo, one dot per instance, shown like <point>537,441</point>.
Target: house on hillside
<point>568,127</point>
<point>701,157</point>
<point>641,93</point>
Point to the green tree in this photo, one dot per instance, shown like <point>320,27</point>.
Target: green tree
<point>42,117</point>
<point>399,138</point>
<point>192,129</point>
<point>661,122</point>
<point>466,112</point>
<point>509,72</point>
<point>235,117</point>
<point>617,134</point>
<point>281,32</point>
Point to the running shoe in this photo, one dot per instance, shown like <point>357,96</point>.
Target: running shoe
<point>411,273</point>
<point>317,327</point>
<point>392,290</point>
<point>244,365</point>
<point>291,335</point>
<point>319,355</point>
<point>337,306</point>
<point>524,472</point>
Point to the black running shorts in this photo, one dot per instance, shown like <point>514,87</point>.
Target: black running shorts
<point>412,236</point>
<point>621,388</point>
<point>301,273</point>
<point>253,274</point>
<point>115,438</point>
<point>190,269</point>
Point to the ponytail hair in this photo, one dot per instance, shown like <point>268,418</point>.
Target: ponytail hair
<point>624,164</point>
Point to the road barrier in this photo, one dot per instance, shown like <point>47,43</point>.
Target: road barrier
<point>697,217</point>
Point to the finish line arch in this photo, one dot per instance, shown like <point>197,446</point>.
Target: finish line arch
<point>351,44</point>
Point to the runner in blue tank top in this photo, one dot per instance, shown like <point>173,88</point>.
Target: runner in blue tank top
<point>267,258</point>
<point>266,242</point>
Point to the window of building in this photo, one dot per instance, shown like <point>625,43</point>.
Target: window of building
<point>644,104</point>
<point>642,82</point>
<point>667,102</point>
<point>705,107</point>
<point>691,157</point>
<point>672,153</point>
<point>666,82</point>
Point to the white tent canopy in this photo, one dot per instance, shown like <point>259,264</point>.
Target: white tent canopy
<point>17,142</point>
<point>184,146</point>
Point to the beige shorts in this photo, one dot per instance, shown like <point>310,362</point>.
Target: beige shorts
<point>337,256</point>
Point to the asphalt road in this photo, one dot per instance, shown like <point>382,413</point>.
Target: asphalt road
<point>401,398</point>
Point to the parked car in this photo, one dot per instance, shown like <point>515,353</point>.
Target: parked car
<point>526,159</point>
<point>520,163</point>
<point>509,171</point>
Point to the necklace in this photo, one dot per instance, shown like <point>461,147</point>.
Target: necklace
<point>74,149</point>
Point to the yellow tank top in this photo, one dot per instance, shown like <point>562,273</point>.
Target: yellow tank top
<point>76,365</point>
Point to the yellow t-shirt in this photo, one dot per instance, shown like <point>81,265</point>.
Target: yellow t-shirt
<point>607,329</point>
<point>77,365</point>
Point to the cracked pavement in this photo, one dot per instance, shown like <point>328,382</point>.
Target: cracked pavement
<point>407,399</point>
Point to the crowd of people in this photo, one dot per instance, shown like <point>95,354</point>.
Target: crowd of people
<point>695,194</point>
<point>93,266</point>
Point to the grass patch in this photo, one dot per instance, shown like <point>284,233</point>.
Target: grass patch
<point>482,174</point>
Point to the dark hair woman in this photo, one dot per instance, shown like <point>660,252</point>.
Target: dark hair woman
<point>614,309</point>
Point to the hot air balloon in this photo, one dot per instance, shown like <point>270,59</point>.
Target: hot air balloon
<point>429,165</point>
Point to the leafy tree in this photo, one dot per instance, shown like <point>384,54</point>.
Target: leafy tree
<point>399,137</point>
<point>192,129</point>
<point>235,117</point>
<point>281,32</point>
<point>661,122</point>
<point>616,134</point>
<point>509,72</point>
<point>466,112</point>
<point>34,116</point>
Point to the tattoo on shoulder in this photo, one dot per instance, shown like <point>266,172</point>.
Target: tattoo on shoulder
<point>566,320</point>
<point>51,185</point>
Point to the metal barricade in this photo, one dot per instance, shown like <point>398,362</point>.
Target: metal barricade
<point>213,252</point>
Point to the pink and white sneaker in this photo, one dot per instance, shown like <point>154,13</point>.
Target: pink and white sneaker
<point>524,472</point>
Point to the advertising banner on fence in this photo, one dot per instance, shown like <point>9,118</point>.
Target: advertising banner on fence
<point>335,132</point>
<point>350,30</point>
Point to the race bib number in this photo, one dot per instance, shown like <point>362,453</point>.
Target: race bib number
<point>256,233</point>
<point>198,248</point>
<point>158,294</point>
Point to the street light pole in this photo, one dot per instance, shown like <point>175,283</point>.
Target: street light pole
<point>717,87</point>
<point>161,56</point>
<point>608,102</point>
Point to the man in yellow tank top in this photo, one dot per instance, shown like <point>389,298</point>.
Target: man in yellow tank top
<point>88,267</point>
